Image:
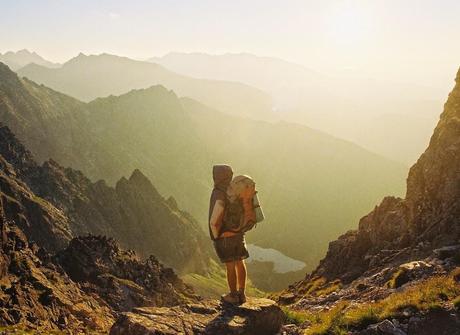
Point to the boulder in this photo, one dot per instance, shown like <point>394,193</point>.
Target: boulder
<point>447,251</point>
<point>256,316</point>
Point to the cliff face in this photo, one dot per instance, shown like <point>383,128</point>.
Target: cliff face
<point>133,211</point>
<point>36,294</point>
<point>433,185</point>
<point>40,220</point>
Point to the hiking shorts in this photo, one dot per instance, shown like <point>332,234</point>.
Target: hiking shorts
<point>230,249</point>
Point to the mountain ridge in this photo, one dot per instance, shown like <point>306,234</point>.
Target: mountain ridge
<point>21,58</point>
<point>87,77</point>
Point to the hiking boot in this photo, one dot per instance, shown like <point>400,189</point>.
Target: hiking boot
<point>231,298</point>
<point>242,297</point>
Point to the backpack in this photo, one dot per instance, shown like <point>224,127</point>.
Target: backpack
<point>234,212</point>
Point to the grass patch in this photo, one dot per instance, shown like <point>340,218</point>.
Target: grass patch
<point>320,286</point>
<point>328,288</point>
<point>428,295</point>
<point>295,317</point>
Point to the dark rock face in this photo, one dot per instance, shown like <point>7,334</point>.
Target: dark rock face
<point>41,221</point>
<point>37,294</point>
<point>133,212</point>
<point>255,317</point>
<point>433,185</point>
<point>120,277</point>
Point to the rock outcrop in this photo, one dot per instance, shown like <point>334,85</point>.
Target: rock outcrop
<point>210,317</point>
<point>41,221</point>
<point>36,293</point>
<point>119,277</point>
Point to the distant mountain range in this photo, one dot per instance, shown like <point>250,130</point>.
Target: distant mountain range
<point>391,118</point>
<point>21,58</point>
<point>312,185</point>
<point>89,77</point>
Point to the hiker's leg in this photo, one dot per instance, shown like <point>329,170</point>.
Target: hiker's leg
<point>231,276</point>
<point>241,275</point>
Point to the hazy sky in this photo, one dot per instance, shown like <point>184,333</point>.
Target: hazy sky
<point>415,41</point>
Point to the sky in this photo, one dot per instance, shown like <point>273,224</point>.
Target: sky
<point>411,41</point>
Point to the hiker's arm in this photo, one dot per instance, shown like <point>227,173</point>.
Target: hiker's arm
<point>216,218</point>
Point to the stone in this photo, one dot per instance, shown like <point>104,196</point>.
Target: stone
<point>286,298</point>
<point>255,317</point>
<point>388,328</point>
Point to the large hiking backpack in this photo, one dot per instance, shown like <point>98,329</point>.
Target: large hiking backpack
<point>234,212</point>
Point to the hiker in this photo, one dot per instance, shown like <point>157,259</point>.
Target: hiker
<point>228,210</point>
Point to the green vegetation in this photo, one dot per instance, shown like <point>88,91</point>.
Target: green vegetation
<point>295,317</point>
<point>215,283</point>
<point>428,295</point>
<point>318,286</point>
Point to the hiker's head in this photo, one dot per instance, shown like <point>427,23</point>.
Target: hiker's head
<point>222,175</point>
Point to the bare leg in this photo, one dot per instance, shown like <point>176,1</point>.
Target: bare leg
<point>231,276</point>
<point>241,275</point>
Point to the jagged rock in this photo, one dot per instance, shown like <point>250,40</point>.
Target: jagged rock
<point>40,296</point>
<point>255,317</point>
<point>119,277</point>
<point>40,220</point>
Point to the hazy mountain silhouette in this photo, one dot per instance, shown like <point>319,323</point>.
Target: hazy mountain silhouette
<point>312,185</point>
<point>391,118</point>
<point>21,58</point>
<point>89,77</point>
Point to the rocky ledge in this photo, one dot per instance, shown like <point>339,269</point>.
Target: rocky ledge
<point>256,316</point>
